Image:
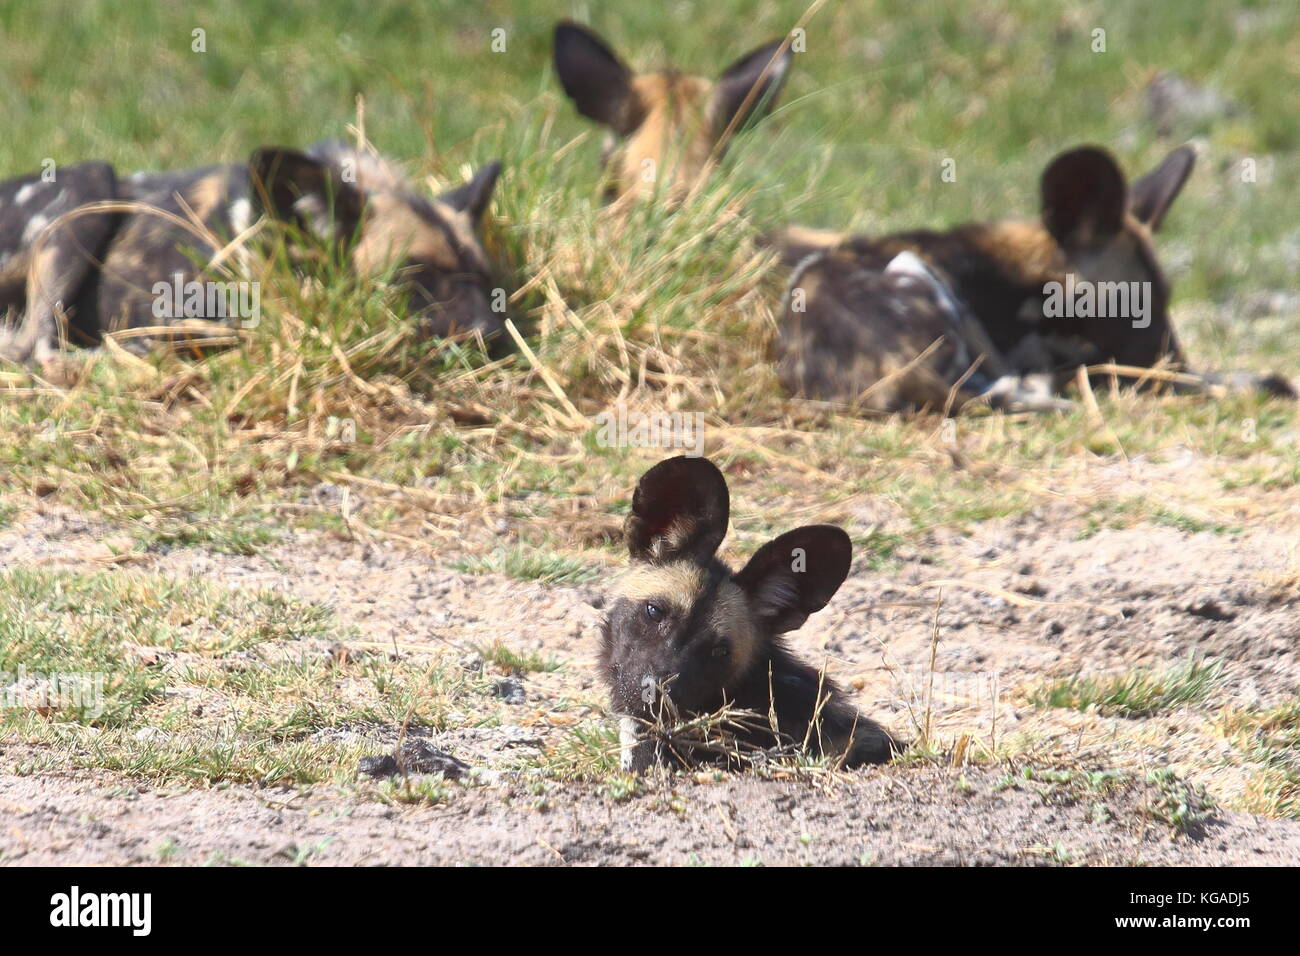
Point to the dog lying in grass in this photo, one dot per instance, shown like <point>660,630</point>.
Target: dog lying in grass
<point>666,129</point>
<point>84,252</point>
<point>1006,311</point>
<point>686,637</point>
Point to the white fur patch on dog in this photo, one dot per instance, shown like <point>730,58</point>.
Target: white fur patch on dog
<point>34,227</point>
<point>241,217</point>
<point>627,741</point>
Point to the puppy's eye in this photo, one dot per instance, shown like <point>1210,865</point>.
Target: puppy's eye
<point>654,611</point>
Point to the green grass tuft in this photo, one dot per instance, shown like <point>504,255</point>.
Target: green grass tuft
<point>1139,693</point>
<point>528,564</point>
<point>516,662</point>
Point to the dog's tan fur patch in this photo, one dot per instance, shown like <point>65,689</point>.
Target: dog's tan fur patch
<point>206,195</point>
<point>1027,248</point>
<point>731,617</point>
<point>393,229</point>
<point>462,227</point>
<point>678,584</point>
<point>670,148</point>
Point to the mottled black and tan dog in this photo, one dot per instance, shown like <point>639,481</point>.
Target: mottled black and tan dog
<point>666,129</point>
<point>1007,311</point>
<point>101,270</point>
<point>681,624</point>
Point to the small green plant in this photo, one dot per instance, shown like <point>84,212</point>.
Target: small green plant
<point>516,662</point>
<point>622,787</point>
<point>1056,853</point>
<point>1182,806</point>
<point>1065,785</point>
<point>301,856</point>
<point>1112,514</point>
<point>1190,524</point>
<point>589,751</point>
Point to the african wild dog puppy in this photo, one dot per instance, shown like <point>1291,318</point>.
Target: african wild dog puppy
<point>681,623</point>
<point>863,315</point>
<point>666,129</point>
<point>100,269</point>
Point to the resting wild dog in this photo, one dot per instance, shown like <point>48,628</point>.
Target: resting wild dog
<point>100,268</point>
<point>683,624</point>
<point>666,129</point>
<point>863,315</point>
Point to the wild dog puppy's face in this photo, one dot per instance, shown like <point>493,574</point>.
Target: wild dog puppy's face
<point>666,127</point>
<point>680,621</point>
<point>1102,228</point>
<point>430,245</point>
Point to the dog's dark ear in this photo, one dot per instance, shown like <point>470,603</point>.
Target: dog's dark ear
<point>474,196</point>
<point>1084,198</point>
<point>755,72</point>
<point>1152,195</point>
<point>796,574</point>
<point>679,512</point>
<point>594,78</point>
<point>294,187</point>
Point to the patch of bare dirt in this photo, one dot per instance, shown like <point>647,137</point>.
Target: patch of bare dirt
<point>894,816</point>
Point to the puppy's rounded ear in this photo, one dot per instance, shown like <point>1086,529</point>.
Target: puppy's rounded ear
<point>679,512</point>
<point>1084,198</point>
<point>594,78</point>
<point>796,574</point>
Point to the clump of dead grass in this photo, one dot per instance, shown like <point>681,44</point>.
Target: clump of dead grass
<point>1270,739</point>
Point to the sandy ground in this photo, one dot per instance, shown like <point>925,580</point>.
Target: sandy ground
<point>1018,603</point>
<point>900,816</point>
